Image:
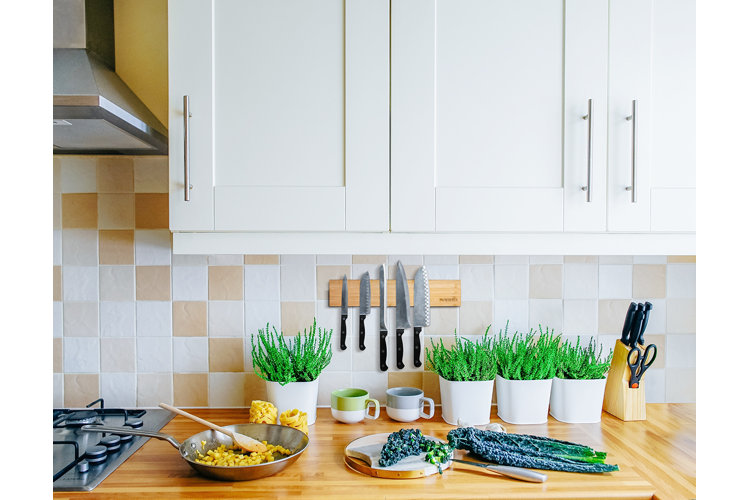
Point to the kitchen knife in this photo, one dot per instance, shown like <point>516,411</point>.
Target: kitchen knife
<point>383,328</point>
<point>364,306</point>
<point>421,310</point>
<point>635,328</point>
<point>646,311</point>
<point>625,338</point>
<point>344,313</point>
<point>402,312</point>
<point>514,472</point>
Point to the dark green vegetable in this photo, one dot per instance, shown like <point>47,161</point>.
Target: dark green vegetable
<point>411,442</point>
<point>582,363</point>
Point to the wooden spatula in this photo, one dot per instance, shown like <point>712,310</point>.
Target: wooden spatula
<point>245,442</point>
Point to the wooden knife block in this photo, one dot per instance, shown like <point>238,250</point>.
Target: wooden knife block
<point>619,399</point>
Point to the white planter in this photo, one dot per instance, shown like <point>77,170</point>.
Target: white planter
<point>300,395</point>
<point>523,401</point>
<point>577,401</point>
<point>468,402</point>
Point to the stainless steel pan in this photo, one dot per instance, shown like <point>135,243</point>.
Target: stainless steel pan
<point>288,437</point>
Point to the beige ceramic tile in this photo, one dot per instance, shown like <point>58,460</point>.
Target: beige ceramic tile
<point>117,355</point>
<point>405,379</point>
<point>78,174</point>
<point>324,274</point>
<point>152,211</point>
<point>612,315</point>
<point>581,259</point>
<point>225,355</point>
<point>80,390</point>
<point>190,389</point>
<point>151,175</point>
<point>189,319</point>
<point>661,350</point>
<point>474,317</point>
<point>255,388</point>
<point>225,282</point>
<point>114,174</point>
<point>79,211</point>
<point>57,355</point>
<point>677,259</point>
<point>409,269</point>
<point>680,315</point>
<point>476,259</point>
<point>154,388</point>
<point>443,321</point>
<point>116,283</point>
<point>153,283</point>
<point>431,387</point>
<point>116,211</point>
<point>56,283</point>
<point>545,281</point>
<point>116,247</point>
<point>649,281</point>
<point>369,259</point>
<point>56,176</point>
<point>256,260</point>
<point>226,390</point>
<point>296,316</point>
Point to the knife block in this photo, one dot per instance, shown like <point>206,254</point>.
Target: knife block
<point>619,399</point>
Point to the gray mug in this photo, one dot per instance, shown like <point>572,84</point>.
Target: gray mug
<point>405,404</point>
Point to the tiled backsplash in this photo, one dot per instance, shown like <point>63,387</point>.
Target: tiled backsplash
<point>137,325</point>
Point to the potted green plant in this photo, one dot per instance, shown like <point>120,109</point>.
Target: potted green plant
<point>465,371</point>
<point>579,384</point>
<point>525,367</point>
<point>291,366</point>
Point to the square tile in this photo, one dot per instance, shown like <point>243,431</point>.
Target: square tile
<point>79,211</point>
<point>680,315</point>
<point>80,355</point>
<point>511,312</point>
<point>57,247</point>
<point>225,355</point>
<point>258,313</point>
<point>255,389</point>
<point>580,259</point>
<point>657,320</point>
<point>660,341</point>
<point>77,174</point>
<point>297,260</point>
<point>296,316</point>
<point>615,259</point>
<point>56,174</point>
<point>262,282</point>
<point>323,274</point>
<point>612,315</point>
<point>476,259</point>
<point>153,318</point>
<point>435,272</point>
<point>153,283</point>
<point>117,319</point>
<point>118,356</point>
<point>80,389</point>
<point>681,259</point>
<point>342,360</point>
<point>189,260</point>
<point>57,356</point>
<point>154,388</point>
<point>225,260</point>
<point>680,351</point>
<point>329,382</point>
<point>79,247</point>
<point>375,383</point>
<point>226,318</point>
<point>405,379</point>
<point>649,259</point>
<point>512,281</point>
<point>153,354</point>
<point>410,260</point>
<point>431,386</point>
<point>80,319</point>
<point>297,282</point>
<point>57,319</point>
<point>189,319</point>
<point>333,260</point>
<point>190,389</point>
<point>56,283</point>
<point>152,211</point>
<point>116,211</point>
<point>515,260</point>
<point>545,281</point>
<point>680,280</point>
<point>615,281</point>
<point>114,174</point>
<point>579,316</point>
<point>116,246</point>
<point>262,260</point>
<point>117,283</point>
<point>474,317</point>
<point>443,320</point>
<point>649,281</point>
<point>224,282</point>
<point>118,389</point>
<point>680,385</point>
<point>80,283</point>
<point>654,385</point>
<point>190,354</point>
<point>226,390</point>
<point>441,260</point>
<point>476,282</point>
<point>153,247</point>
<point>546,259</point>
<point>546,312</point>
<point>151,175</point>
<point>370,259</point>
<point>56,212</point>
<point>57,390</point>
<point>580,281</point>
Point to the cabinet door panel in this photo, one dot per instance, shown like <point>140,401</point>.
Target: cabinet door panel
<point>673,209</point>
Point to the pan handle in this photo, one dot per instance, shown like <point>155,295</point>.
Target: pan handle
<point>134,432</point>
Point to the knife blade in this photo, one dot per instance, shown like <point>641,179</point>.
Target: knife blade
<point>364,306</point>
<point>421,310</point>
<point>635,328</point>
<point>344,313</point>
<point>625,338</point>
<point>514,472</point>
<point>402,312</point>
<point>646,312</point>
<point>383,327</point>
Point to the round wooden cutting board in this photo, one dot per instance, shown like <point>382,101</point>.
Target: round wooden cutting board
<point>364,451</point>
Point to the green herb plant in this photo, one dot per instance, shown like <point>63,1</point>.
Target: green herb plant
<point>582,363</point>
<point>528,356</point>
<point>301,359</point>
<point>464,361</point>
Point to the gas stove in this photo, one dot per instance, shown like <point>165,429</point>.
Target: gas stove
<point>83,459</point>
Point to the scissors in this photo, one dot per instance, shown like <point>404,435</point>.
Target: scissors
<point>641,363</point>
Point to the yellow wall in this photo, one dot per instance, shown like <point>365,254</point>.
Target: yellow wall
<point>141,51</point>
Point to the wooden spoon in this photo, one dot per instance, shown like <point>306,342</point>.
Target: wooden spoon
<point>245,442</point>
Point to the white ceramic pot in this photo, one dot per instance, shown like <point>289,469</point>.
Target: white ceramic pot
<point>300,395</point>
<point>523,401</point>
<point>577,401</point>
<point>468,402</point>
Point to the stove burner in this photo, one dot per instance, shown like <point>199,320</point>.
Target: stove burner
<point>78,418</point>
<point>134,423</point>
<point>112,442</point>
<point>125,438</point>
<point>96,454</point>
<point>83,466</point>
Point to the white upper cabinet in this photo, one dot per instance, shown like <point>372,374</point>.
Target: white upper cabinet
<point>288,105</point>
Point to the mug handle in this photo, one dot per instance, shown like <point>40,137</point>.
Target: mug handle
<point>367,408</point>
<point>430,403</point>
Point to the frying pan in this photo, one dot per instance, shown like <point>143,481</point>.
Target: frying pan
<point>292,439</point>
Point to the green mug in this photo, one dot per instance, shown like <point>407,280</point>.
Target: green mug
<point>351,405</point>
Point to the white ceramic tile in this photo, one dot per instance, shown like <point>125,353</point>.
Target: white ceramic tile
<point>154,388</point>
<point>57,390</point>
<point>57,247</point>
<point>117,283</point>
<point>80,355</point>
<point>607,342</point>
<point>80,319</point>
<point>80,283</point>
<point>512,259</point>
<point>406,260</point>
<point>57,319</point>
<point>226,260</point>
<point>262,283</point>
<point>680,316</point>
<point>189,283</point>
<point>153,247</point>
<point>440,260</point>
<point>649,259</point>
<point>190,354</point>
<point>117,319</point>
<point>476,282</point>
<point>329,382</point>
<point>583,341</point>
<point>80,247</point>
<point>369,359</point>
<point>189,260</point>
<point>330,317</point>
<point>654,386</point>
<point>117,355</point>
<point>657,318</point>
<point>297,282</point>
<point>342,360</point>
<point>258,313</point>
<point>514,313</point>
<point>547,312</point>
<point>118,389</point>
<point>297,260</point>
<point>443,272</point>
<point>615,281</point>
<point>375,383</point>
<point>681,280</point>
<point>153,354</point>
<point>226,390</point>
<point>374,269</point>
<point>333,260</point>
<point>580,281</point>
<point>580,316</point>
<point>512,281</point>
<point>615,259</point>
<point>153,318</point>
<point>78,174</point>
<point>545,259</point>
<point>680,385</point>
<point>680,351</point>
<point>226,318</point>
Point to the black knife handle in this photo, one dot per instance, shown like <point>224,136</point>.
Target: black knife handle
<point>400,348</point>
<point>343,333</point>
<point>637,321</point>
<point>362,332</point>
<point>646,311</point>
<point>417,346</point>
<point>383,351</point>
<point>625,338</point>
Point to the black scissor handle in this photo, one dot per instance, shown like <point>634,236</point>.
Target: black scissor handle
<point>640,364</point>
<point>646,361</point>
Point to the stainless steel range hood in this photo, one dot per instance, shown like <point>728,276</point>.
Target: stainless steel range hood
<point>94,111</point>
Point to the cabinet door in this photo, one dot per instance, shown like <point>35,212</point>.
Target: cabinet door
<point>477,115</point>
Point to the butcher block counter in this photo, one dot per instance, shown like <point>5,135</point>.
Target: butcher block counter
<point>656,459</point>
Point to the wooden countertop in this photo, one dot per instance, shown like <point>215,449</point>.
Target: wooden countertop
<point>656,459</point>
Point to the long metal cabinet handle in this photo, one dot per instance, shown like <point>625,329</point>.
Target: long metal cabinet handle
<point>633,151</point>
<point>590,118</point>
<point>186,147</point>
